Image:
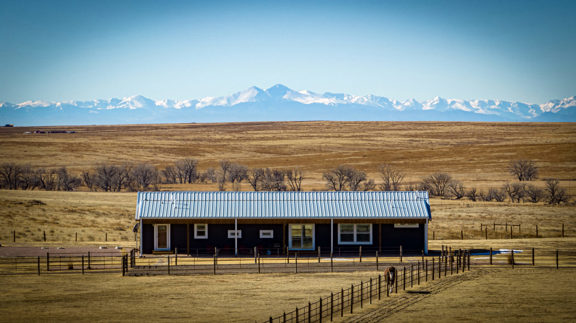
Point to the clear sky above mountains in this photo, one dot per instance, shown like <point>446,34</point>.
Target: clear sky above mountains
<point>81,50</point>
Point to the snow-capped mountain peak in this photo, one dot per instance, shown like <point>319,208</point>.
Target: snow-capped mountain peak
<point>279,102</point>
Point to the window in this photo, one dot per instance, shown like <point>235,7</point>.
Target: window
<point>406,225</point>
<point>234,234</point>
<point>301,236</point>
<point>349,233</point>
<point>200,231</point>
<point>266,234</point>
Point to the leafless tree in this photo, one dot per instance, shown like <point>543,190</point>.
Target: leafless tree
<point>236,174</point>
<point>496,195</point>
<point>222,175</point>
<point>533,194</point>
<point>368,185</point>
<point>170,174</point>
<point>273,180</point>
<point>48,179</point>
<point>436,184</point>
<point>456,189</point>
<point>123,178</point>
<point>554,193</point>
<point>295,177</point>
<point>342,177</point>
<point>336,178</point>
<point>392,178</point>
<point>209,176</point>
<point>29,178</point>
<point>10,175</point>
<point>472,194</point>
<point>89,180</point>
<point>524,170</point>
<point>186,170</point>
<point>515,191</point>
<point>355,178</point>
<point>66,181</point>
<point>143,177</point>
<point>255,177</point>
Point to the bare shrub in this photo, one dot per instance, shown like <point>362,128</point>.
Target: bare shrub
<point>456,190</point>
<point>345,177</point>
<point>391,178</point>
<point>294,177</point>
<point>524,170</point>
<point>515,191</point>
<point>186,170</point>
<point>436,184</point>
<point>472,194</point>
<point>144,176</point>
<point>554,193</point>
<point>533,194</point>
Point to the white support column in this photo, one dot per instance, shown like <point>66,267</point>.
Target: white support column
<point>331,236</point>
<point>236,236</point>
<point>426,238</point>
<point>141,235</point>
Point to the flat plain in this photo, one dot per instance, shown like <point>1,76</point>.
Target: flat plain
<point>477,154</point>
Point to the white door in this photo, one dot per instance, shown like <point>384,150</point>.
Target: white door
<point>162,237</point>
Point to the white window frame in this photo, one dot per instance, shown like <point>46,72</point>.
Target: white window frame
<point>266,234</point>
<point>235,234</point>
<point>355,232</point>
<point>406,225</point>
<point>198,236</point>
<point>167,236</point>
<point>290,236</point>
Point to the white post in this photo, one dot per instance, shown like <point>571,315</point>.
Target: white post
<point>141,231</point>
<point>236,237</point>
<point>426,237</point>
<point>331,236</point>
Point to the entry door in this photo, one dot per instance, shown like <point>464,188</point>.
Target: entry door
<point>301,236</point>
<point>162,237</point>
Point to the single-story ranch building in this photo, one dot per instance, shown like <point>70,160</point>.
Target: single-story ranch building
<point>280,222</point>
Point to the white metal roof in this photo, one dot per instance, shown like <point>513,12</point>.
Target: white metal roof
<point>282,205</point>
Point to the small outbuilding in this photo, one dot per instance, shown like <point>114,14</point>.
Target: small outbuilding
<point>279,222</point>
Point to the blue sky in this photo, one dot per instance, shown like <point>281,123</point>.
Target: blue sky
<point>82,50</point>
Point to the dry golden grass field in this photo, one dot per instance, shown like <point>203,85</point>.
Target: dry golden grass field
<point>475,153</point>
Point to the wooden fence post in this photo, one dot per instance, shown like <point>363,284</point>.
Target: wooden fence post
<point>380,287</point>
<point>370,290</point>
<point>48,261</point>
<point>361,294</point>
<point>468,260</point>
<point>432,268</point>
<point>14,237</point>
<point>39,265</point>
<point>169,265</point>
<point>352,299</point>
<point>297,316</point>
<point>319,252</point>
<point>106,237</point>
<point>255,255</point>
<point>533,257</point>
<point>418,273</point>
<point>426,269</point>
<point>512,256</point>
<point>461,234</point>
<point>44,235</point>
<point>486,233</point>
<point>175,256</point>
<point>404,278</point>
<point>214,263</point>
<point>422,255</point>
<point>491,255</point>
<point>439,268</point>
<point>376,260</point>
<point>82,264</point>
<point>342,302</point>
<point>400,253</point>
<point>320,310</point>
<point>296,261</point>
<point>259,261</point>
<point>309,312</point>
<point>331,306</point>
<point>360,253</point>
<point>76,238</point>
<point>411,275</point>
<point>511,229</point>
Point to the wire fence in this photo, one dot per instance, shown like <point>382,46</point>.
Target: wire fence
<point>90,262</point>
<point>348,300</point>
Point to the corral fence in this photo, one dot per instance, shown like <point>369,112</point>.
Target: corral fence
<point>346,301</point>
<point>504,230</point>
<point>51,263</point>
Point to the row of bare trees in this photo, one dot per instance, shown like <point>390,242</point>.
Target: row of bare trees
<point>141,177</point>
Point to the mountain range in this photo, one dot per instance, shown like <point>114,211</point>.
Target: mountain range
<point>280,103</point>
